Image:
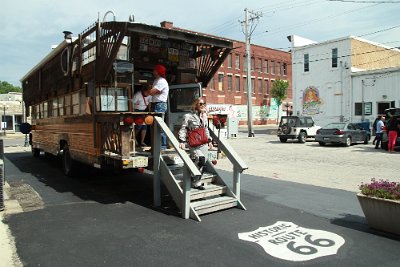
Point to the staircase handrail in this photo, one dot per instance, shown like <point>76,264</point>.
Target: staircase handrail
<point>230,153</point>
<point>189,170</point>
<point>182,153</point>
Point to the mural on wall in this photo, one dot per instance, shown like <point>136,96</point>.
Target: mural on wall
<point>311,101</point>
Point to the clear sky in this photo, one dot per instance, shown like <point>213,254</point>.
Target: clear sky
<point>28,28</point>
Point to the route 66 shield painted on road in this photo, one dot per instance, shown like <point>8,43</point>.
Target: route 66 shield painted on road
<point>288,241</point>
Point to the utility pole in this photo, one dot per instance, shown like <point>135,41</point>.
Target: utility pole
<point>250,17</point>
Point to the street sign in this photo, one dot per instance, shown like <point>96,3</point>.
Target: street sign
<point>288,241</point>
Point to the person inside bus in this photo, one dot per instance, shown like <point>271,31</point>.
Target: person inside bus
<point>195,119</point>
<point>141,102</point>
<point>159,92</point>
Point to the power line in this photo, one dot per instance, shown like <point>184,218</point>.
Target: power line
<point>365,2</point>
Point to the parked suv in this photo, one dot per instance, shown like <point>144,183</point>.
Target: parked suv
<point>390,112</point>
<point>296,127</point>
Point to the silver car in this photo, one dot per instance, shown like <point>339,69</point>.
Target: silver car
<point>342,133</point>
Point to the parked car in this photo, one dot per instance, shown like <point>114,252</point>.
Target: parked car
<point>389,113</point>
<point>342,133</point>
<point>296,127</point>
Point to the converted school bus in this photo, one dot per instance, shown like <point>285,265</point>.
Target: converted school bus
<point>79,96</point>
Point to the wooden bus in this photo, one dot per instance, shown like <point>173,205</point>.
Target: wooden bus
<point>79,96</point>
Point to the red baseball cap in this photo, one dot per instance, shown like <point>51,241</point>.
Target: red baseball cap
<point>160,69</point>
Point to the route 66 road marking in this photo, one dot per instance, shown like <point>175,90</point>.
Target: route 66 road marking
<point>288,241</point>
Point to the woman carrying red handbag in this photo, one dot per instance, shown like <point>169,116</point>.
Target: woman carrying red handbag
<point>194,133</point>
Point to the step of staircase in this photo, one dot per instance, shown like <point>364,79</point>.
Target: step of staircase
<point>213,204</point>
<point>210,191</point>
<point>206,178</point>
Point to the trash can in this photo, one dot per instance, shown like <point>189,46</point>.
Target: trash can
<point>232,125</point>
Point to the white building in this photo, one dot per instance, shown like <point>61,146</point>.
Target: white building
<point>11,110</point>
<point>333,79</point>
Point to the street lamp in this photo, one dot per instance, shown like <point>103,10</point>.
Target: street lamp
<point>287,108</point>
<point>3,121</point>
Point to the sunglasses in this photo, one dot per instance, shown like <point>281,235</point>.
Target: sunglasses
<point>201,104</point>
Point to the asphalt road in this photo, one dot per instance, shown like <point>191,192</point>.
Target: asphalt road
<point>107,219</point>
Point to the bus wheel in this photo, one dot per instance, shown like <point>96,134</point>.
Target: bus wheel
<point>67,162</point>
<point>35,152</point>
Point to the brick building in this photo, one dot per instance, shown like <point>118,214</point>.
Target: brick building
<point>229,85</point>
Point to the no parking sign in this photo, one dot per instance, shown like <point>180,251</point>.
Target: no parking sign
<point>288,241</point>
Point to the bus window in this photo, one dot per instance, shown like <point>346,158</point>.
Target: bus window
<point>61,106</point>
<point>55,107</point>
<point>75,103</point>
<point>113,99</point>
<point>67,104</point>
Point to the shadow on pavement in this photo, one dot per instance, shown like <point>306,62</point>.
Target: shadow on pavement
<point>359,224</point>
<point>89,184</point>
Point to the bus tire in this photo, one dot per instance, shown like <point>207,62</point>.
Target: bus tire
<point>35,152</point>
<point>67,162</point>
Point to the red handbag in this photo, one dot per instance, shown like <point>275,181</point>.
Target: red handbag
<point>197,137</point>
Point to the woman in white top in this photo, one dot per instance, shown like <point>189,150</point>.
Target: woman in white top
<point>141,102</point>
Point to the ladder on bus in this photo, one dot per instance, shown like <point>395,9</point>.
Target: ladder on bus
<point>177,178</point>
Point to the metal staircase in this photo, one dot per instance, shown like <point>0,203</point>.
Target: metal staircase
<point>177,179</point>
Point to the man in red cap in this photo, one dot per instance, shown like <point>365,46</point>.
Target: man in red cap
<point>159,93</point>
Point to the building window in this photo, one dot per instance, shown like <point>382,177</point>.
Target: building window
<point>253,85</point>
<point>252,63</point>
<point>6,122</point>
<point>306,63</point>
<point>272,67</point>
<point>278,66</point>
<point>259,65</point>
<point>229,82</point>
<point>244,63</point>
<point>385,105</point>
<point>212,83</point>
<point>367,108</point>
<point>284,69</point>
<point>266,66</point>
<point>237,83</point>
<point>266,87</point>
<point>260,86</point>
<point>245,84</point>
<point>237,62</point>
<point>220,81</point>
<point>334,58</point>
<point>230,61</point>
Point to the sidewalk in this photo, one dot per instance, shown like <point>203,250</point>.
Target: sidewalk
<point>8,254</point>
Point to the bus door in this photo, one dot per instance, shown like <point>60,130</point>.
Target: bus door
<point>180,102</point>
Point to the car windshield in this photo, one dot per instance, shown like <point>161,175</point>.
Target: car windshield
<point>335,126</point>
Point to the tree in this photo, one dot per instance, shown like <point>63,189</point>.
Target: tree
<point>6,87</point>
<point>279,92</point>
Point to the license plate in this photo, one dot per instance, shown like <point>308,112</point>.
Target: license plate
<point>326,138</point>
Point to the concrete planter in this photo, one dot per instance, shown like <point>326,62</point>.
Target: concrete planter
<point>381,214</point>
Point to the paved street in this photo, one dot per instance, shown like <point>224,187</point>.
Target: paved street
<point>331,166</point>
<point>104,219</point>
